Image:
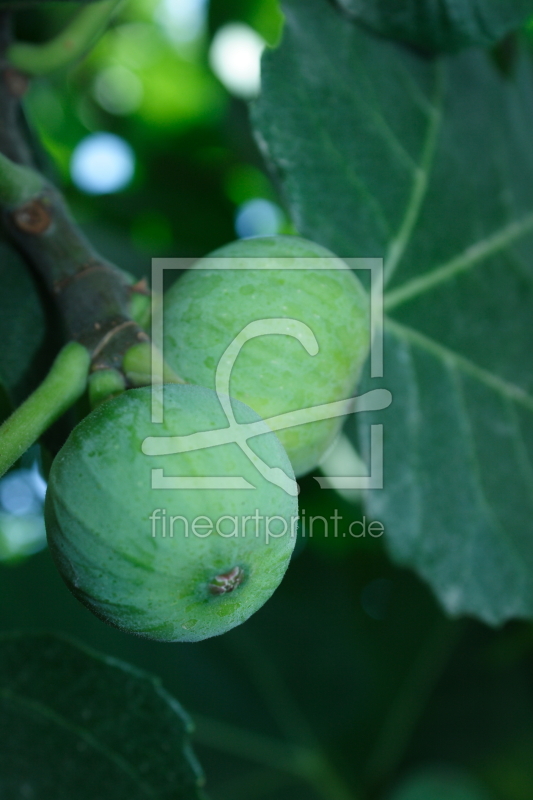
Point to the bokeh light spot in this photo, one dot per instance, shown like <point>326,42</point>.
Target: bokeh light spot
<point>182,20</point>
<point>235,58</point>
<point>21,492</point>
<point>258,217</point>
<point>102,163</point>
<point>21,536</point>
<point>22,530</point>
<point>244,182</point>
<point>118,90</point>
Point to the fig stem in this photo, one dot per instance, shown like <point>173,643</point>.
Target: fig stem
<point>140,308</point>
<point>143,363</point>
<point>104,384</point>
<point>63,385</point>
<point>70,44</point>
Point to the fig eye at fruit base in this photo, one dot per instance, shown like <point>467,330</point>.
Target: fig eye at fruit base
<point>227,582</point>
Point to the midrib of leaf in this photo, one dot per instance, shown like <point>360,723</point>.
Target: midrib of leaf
<point>463,262</point>
<point>422,172</point>
<point>506,389</point>
<point>41,710</point>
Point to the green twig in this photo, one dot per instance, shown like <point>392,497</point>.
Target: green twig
<point>271,685</point>
<point>13,136</point>
<point>63,385</point>
<point>301,762</point>
<point>255,784</point>
<point>411,700</point>
<point>69,45</point>
<point>273,689</point>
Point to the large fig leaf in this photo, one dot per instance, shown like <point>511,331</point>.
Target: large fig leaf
<point>441,24</point>
<point>82,725</point>
<point>429,164</point>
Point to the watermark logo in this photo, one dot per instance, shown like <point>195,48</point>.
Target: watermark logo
<point>233,526</point>
<point>240,433</point>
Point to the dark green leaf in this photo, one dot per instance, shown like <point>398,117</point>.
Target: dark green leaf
<point>439,784</point>
<point>78,724</point>
<point>429,164</point>
<point>22,325</point>
<point>313,669</point>
<point>443,25</point>
<point>269,702</point>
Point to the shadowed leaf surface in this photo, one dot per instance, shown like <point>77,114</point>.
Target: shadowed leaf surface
<point>78,722</point>
<point>441,25</point>
<point>22,326</point>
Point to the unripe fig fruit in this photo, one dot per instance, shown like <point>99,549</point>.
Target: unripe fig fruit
<point>112,535</point>
<point>259,279</point>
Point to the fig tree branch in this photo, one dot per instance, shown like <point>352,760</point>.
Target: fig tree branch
<point>92,295</point>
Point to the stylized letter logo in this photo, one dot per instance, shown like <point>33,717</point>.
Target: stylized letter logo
<point>240,433</point>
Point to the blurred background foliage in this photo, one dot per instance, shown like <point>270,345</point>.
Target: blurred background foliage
<point>149,82</point>
<point>351,659</point>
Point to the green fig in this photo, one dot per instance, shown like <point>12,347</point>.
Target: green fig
<point>267,279</point>
<point>178,530</point>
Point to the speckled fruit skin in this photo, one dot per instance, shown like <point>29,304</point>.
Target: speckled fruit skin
<point>98,508</point>
<point>207,308</point>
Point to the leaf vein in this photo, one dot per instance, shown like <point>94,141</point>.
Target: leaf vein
<point>398,245</point>
<point>469,258</point>
<point>465,365</point>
